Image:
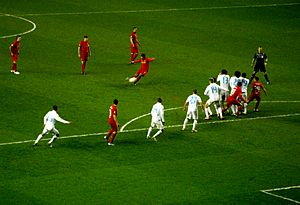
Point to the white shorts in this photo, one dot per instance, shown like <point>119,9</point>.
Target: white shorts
<point>158,124</point>
<point>50,129</point>
<point>223,95</point>
<point>192,114</point>
<point>209,102</point>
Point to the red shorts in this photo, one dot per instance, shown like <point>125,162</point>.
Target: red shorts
<point>232,101</point>
<point>14,57</point>
<point>134,49</point>
<point>141,71</point>
<point>254,96</point>
<point>84,56</point>
<point>113,125</point>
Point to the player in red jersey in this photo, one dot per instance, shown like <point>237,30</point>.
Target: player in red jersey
<point>144,67</point>
<point>14,53</point>
<point>255,93</point>
<point>134,43</point>
<point>112,120</point>
<point>84,52</point>
<point>233,99</point>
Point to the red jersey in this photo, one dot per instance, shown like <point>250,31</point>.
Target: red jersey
<point>237,93</point>
<point>133,37</point>
<point>112,111</point>
<point>84,46</point>
<point>14,48</point>
<point>145,64</point>
<point>257,87</point>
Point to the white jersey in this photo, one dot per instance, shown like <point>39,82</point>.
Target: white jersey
<point>157,112</point>
<point>193,101</point>
<point>224,81</point>
<point>245,83</point>
<point>50,118</point>
<point>212,90</point>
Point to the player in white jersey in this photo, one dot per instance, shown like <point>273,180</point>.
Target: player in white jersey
<point>213,91</point>
<point>49,126</point>
<point>233,83</point>
<point>223,78</point>
<point>245,83</point>
<point>192,102</point>
<point>158,119</point>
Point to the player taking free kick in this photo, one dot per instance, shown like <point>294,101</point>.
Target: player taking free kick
<point>144,69</point>
<point>84,52</point>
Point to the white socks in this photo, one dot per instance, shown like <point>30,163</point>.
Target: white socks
<point>185,123</point>
<point>38,139</point>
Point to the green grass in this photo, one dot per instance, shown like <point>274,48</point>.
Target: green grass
<point>224,163</point>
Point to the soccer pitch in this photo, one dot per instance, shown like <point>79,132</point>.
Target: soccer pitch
<point>249,160</point>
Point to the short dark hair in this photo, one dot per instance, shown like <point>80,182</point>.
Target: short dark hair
<point>116,101</point>
<point>55,107</point>
<point>244,75</point>
<point>256,78</point>
<point>211,80</point>
<point>237,73</point>
<point>143,55</point>
<point>195,91</point>
<point>224,71</point>
<point>239,84</point>
<point>18,36</point>
<point>85,36</point>
<point>159,100</point>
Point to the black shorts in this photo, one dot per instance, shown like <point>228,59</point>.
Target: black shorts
<point>261,68</point>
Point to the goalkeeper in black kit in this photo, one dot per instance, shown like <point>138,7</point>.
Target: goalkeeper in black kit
<point>259,61</point>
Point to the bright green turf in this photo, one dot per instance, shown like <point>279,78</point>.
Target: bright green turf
<point>224,163</point>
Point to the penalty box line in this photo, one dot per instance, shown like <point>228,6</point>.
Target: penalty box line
<point>268,191</point>
<point>166,127</point>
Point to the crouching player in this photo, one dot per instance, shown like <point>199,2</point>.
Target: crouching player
<point>255,93</point>
<point>158,119</point>
<point>233,99</point>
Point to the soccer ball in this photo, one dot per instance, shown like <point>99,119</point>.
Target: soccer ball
<point>132,80</point>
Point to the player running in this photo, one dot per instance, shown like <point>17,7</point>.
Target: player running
<point>113,122</point>
<point>134,43</point>
<point>192,102</point>
<point>49,126</point>
<point>144,69</point>
<point>233,99</point>
<point>84,52</point>
<point>212,91</point>
<point>14,53</point>
<point>260,61</point>
<point>255,93</point>
<point>157,120</point>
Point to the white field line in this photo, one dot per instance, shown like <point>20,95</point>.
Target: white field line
<point>166,127</point>
<point>23,33</point>
<point>161,10</point>
<point>139,117</point>
<point>282,197</point>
